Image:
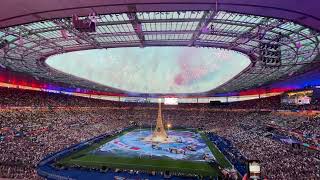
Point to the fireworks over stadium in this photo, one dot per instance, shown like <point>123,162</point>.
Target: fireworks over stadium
<point>160,89</point>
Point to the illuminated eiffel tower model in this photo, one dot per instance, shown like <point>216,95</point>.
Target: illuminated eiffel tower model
<point>159,133</point>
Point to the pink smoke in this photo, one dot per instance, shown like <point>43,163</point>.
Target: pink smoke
<point>189,75</point>
<point>190,69</point>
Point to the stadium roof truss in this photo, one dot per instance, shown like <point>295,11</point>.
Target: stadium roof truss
<point>31,43</point>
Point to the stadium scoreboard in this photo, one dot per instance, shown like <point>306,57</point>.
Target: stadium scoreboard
<point>171,101</point>
<point>297,97</point>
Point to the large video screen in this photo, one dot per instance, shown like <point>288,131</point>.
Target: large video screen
<point>254,169</point>
<point>171,101</point>
<point>297,97</point>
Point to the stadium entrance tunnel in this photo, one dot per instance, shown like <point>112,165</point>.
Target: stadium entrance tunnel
<point>154,69</point>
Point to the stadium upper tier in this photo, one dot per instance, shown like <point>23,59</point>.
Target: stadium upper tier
<point>281,38</point>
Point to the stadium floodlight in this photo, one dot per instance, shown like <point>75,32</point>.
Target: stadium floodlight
<point>84,25</point>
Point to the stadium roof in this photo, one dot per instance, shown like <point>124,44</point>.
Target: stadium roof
<point>37,29</point>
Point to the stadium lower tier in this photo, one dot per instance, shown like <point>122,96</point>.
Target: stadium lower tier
<point>12,97</point>
<point>30,134</point>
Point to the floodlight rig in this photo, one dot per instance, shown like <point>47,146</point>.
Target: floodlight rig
<point>136,24</point>
<point>80,36</point>
<point>203,23</point>
<point>85,25</point>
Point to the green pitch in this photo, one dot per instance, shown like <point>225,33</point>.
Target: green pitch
<point>86,159</point>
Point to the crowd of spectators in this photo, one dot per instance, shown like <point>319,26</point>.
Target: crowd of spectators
<point>29,134</point>
<point>11,97</point>
<point>250,135</point>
